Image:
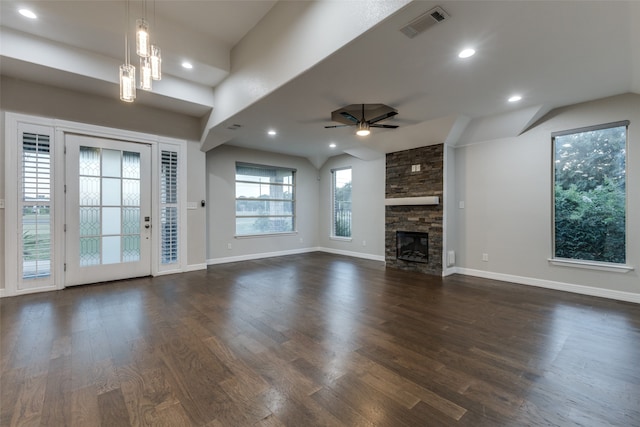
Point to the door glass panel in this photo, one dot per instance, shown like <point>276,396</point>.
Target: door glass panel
<point>89,251</point>
<point>130,248</point>
<point>131,192</point>
<point>89,191</point>
<point>130,165</point>
<point>109,206</point>
<point>89,221</point>
<point>89,161</point>
<point>111,163</point>
<point>36,241</point>
<point>130,220</point>
<point>111,191</point>
<point>110,249</point>
<point>111,223</point>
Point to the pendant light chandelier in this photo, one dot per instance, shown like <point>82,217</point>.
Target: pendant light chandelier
<point>150,57</point>
<point>127,71</point>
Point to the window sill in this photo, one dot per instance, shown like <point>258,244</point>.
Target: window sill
<point>341,239</point>
<point>251,236</point>
<point>592,265</point>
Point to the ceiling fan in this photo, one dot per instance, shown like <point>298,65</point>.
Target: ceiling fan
<point>376,112</point>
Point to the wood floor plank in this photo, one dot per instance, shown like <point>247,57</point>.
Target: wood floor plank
<point>317,339</point>
<point>112,409</point>
<point>28,408</point>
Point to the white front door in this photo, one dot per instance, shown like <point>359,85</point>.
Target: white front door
<point>108,209</point>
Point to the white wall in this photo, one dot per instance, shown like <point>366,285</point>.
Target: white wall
<point>36,99</point>
<point>220,178</point>
<point>196,218</point>
<point>368,179</point>
<point>450,214</point>
<point>2,181</point>
<point>506,187</point>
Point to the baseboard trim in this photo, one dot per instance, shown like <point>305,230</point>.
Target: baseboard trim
<point>449,271</point>
<point>196,267</point>
<point>550,284</point>
<point>352,254</point>
<point>250,257</point>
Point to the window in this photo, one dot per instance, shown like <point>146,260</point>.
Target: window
<point>35,205</point>
<point>265,200</point>
<point>590,193</point>
<point>168,207</point>
<point>341,192</point>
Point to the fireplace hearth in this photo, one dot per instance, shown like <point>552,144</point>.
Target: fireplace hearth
<point>412,246</point>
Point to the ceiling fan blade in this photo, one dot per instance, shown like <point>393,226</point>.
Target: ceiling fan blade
<point>382,117</point>
<point>338,126</point>
<point>349,117</point>
<point>384,126</point>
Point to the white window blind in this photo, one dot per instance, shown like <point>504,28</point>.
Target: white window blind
<point>169,207</point>
<point>35,206</point>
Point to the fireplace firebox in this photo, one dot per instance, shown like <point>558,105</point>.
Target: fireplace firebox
<point>412,246</point>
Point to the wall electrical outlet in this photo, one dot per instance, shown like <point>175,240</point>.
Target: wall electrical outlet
<point>229,246</point>
<point>415,168</point>
<point>485,257</point>
<point>1,203</point>
<point>364,243</point>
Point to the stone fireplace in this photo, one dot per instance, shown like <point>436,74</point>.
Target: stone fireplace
<point>411,175</point>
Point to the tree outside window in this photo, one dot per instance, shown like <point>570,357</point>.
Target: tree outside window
<point>590,193</point>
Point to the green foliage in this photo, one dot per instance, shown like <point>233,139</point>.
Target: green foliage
<point>343,223</point>
<point>590,196</point>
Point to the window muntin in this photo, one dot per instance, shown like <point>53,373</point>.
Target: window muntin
<point>341,203</point>
<point>589,197</point>
<point>265,200</point>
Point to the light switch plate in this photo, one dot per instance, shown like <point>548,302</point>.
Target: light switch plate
<point>192,205</point>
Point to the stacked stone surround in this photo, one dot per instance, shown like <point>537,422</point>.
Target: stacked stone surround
<point>401,182</point>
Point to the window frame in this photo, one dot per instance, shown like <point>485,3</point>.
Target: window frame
<point>582,263</point>
<point>332,233</point>
<point>293,186</point>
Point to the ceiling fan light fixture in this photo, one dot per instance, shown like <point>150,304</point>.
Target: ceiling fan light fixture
<point>363,129</point>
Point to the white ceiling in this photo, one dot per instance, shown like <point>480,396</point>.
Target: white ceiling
<point>553,53</point>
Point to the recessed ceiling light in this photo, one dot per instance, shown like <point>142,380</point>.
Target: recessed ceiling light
<point>27,14</point>
<point>466,53</point>
<point>272,132</point>
<point>187,65</point>
<point>514,98</point>
<point>332,145</point>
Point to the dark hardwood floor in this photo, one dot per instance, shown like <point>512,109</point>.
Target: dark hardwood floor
<point>314,340</point>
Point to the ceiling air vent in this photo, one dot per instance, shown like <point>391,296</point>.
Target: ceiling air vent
<point>424,21</point>
<point>234,126</point>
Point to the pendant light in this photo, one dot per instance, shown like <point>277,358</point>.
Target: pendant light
<point>145,73</point>
<point>143,47</point>
<point>127,71</point>
<point>156,62</point>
